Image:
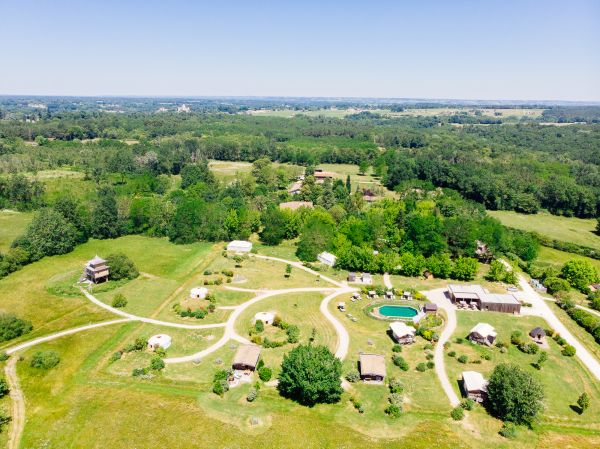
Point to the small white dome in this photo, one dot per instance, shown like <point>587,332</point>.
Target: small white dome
<point>265,317</point>
<point>199,292</point>
<point>159,341</point>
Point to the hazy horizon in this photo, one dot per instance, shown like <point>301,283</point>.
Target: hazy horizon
<point>494,51</point>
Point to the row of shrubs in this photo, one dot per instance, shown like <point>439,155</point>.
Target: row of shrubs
<point>199,313</point>
<point>292,331</point>
<point>585,319</point>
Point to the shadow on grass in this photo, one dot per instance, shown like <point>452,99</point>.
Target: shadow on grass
<point>576,409</point>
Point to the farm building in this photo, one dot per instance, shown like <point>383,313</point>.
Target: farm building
<point>321,176</point>
<point>475,296</point>
<point>159,341</point>
<point>430,308</point>
<point>239,246</point>
<point>506,303</point>
<point>246,358</point>
<point>327,258</point>
<point>474,385</point>
<point>296,188</point>
<point>372,367</point>
<point>402,333</point>
<point>295,205</point>
<point>483,333</point>
<point>537,333</point>
<point>96,270</point>
<point>265,317</point>
<point>198,292</point>
<point>351,277</point>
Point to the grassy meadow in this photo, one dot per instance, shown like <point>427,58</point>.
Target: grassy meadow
<point>568,229</point>
<point>12,225</point>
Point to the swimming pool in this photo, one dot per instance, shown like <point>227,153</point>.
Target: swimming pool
<point>397,311</point>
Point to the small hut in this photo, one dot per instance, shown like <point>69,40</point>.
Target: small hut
<point>159,341</point>
<point>372,367</point>
<point>403,333</point>
<point>474,385</point>
<point>372,294</point>
<point>483,333</point>
<point>366,278</point>
<point>327,258</point>
<point>246,358</point>
<point>199,292</point>
<point>430,308</point>
<point>342,306</point>
<point>265,317</point>
<point>538,334</point>
<point>96,270</point>
<point>351,277</point>
<point>239,246</point>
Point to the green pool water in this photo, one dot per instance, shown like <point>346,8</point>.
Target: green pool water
<point>398,311</point>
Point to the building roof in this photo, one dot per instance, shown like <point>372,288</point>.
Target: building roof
<point>247,355</point>
<point>400,329</point>
<point>327,257</point>
<point>295,205</point>
<point>366,276</point>
<point>198,291</point>
<point>472,291</point>
<point>372,364</point>
<point>537,331</point>
<point>296,186</point>
<point>236,245</point>
<point>430,306</point>
<point>484,329</point>
<point>496,298</point>
<point>162,340</point>
<point>474,381</point>
<point>265,316</point>
<point>323,174</point>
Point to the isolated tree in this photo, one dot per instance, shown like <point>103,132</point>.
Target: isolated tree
<point>121,267</point>
<point>497,271</point>
<point>363,167</point>
<point>47,235</point>
<point>317,235</point>
<point>13,327</point>
<point>194,173</point>
<point>311,375</point>
<point>349,189</point>
<point>514,395</point>
<point>583,402</point>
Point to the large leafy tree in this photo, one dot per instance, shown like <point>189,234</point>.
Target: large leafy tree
<point>465,269</point>
<point>106,223</point>
<point>311,375</point>
<point>514,395</point>
<point>194,173</point>
<point>579,273</point>
<point>274,226</point>
<point>48,234</point>
<point>317,235</point>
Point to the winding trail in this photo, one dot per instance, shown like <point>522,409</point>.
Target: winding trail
<point>387,281</point>
<point>302,267</point>
<point>17,423</point>
<point>130,316</point>
<point>343,337</point>
<point>438,297</point>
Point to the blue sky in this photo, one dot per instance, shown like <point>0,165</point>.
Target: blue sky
<point>522,50</point>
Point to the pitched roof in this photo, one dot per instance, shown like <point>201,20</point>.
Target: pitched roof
<point>372,364</point>
<point>472,291</point>
<point>474,381</point>
<point>400,329</point>
<point>295,205</point>
<point>247,355</point>
<point>484,329</point>
<point>96,261</point>
<point>537,331</point>
<point>496,298</point>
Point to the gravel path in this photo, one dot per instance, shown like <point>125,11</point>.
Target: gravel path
<point>540,308</point>
<point>343,337</point>
<point>387,281</point>
<point>438,297</point>
<point>17,423</point>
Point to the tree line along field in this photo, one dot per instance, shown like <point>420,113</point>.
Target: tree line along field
<point>568,229</point>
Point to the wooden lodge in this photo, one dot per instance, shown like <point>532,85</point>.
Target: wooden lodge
<point>96,270</point>
<point>476,297</point>
<point>246,358</point>
<point>372,367</point>
<point>483,334</point>
<point>474,386</point>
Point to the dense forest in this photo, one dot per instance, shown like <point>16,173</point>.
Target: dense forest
<point>522,167</point>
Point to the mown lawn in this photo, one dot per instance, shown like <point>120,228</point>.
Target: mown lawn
<point>12,225</point>
<point>567,229</point>
<point>563,378</point>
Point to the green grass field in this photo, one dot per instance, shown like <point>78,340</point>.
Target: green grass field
<point>88,401</point>
<point>12,225</point>
<point>567,229</point>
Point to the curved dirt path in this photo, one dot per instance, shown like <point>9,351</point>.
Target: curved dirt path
<point>16,394</point>
<point>438,297</point>
<point>387,281</point>
<point>230,333</point>
<point>132,317</point>
<point>343,336</point>
<point>17,423</point>
<point>302,267</point>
